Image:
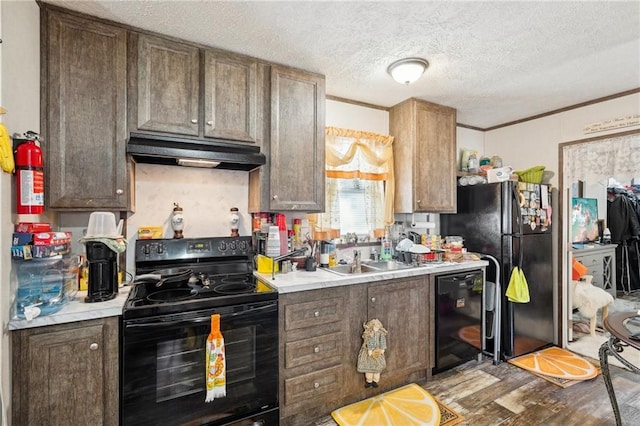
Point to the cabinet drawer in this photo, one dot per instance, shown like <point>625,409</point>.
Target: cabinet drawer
<point>314,349</point>
<point>310,387</point>
<point>590,261</point>
<point>310,314</point>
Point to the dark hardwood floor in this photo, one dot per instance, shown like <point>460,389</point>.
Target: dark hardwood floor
<point>488,395</point>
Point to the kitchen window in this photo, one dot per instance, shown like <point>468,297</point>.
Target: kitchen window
<point>359,183</point>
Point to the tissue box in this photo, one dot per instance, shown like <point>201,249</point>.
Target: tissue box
<point>500,174</point>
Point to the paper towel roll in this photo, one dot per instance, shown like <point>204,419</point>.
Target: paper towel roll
<point>423,225</point>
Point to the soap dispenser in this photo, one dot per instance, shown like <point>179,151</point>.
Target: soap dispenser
<point>387,251</point>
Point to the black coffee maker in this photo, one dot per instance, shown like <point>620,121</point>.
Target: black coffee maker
<point>103,272</point>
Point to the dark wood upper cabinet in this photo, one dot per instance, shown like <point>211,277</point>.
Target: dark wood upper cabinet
<point>233,97</point>
<point>83,118</point>
<point>183,89</point>
<point>168,86</point>
<point>293,178</point>
<point>424,152</point>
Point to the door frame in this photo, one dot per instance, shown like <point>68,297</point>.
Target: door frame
<point>564,243</point>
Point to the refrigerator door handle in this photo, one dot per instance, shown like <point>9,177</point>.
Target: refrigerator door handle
<point>516,202</point>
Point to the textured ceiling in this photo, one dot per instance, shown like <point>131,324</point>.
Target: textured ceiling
<point>495,62</point>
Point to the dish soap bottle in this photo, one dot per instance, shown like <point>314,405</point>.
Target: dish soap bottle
<point>387,251</point>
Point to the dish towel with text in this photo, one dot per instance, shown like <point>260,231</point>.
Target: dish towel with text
<point>216,362</point>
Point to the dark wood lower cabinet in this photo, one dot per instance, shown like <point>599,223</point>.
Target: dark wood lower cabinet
<point>321,334</point>
<point>66,374</point>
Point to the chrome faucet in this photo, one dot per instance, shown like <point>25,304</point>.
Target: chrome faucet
<point>356,266</point>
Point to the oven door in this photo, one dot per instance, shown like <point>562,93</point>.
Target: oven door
<point>163,366</point>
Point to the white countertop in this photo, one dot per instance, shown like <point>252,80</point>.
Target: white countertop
<point>76,310</point>
<point>320,278</point>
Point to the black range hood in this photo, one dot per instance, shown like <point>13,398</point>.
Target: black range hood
<point>174,151</point>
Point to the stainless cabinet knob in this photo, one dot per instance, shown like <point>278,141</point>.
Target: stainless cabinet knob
<point>93,346</point>
<point>316,314</point>
<point>373,300</point>
<point>316,385</point>
<point>209,123</point>
<point>194,121</point>
<point>275,197</point>
<point>316,349</point>
<point>419,201</point>
<point>119,191</point>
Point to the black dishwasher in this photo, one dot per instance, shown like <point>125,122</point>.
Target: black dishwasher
<point>458,318</point>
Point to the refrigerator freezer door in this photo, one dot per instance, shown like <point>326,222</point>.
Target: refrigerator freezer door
<point>478,219</point>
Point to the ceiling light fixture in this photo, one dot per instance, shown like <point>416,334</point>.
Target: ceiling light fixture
<point>407,70</point>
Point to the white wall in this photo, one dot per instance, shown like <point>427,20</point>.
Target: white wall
<point>19,94</point>
<point>356,117</point>
<point>535,142</point>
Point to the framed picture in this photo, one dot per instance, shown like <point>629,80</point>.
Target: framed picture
<point>584,220</point>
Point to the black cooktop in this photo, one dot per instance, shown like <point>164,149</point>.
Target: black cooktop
<point>221,274</point>
<point>145,299</point>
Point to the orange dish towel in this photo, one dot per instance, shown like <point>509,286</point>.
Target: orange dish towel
<point>216,362</point>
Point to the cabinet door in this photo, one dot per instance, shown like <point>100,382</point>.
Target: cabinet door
<point>66,374</point>
<point>232,97</point>
<point>402,307</point>
<point>167,86</point>
<point>84,113</point>
<point>297,141</point>
<point>435,158</point>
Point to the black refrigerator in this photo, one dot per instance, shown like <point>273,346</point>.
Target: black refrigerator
<point>512,222</point>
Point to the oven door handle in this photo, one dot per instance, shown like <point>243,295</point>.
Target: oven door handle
<point>198,320</point>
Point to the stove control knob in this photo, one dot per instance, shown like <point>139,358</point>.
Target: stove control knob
<point>160,249</point>
<point>222,246</point>
<point>232,245</point>
<point>243,245</point>
<point>146,249</point>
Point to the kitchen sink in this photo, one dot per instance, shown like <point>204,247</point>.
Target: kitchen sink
<point>369,267</point>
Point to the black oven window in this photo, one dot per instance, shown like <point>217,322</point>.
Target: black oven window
<point>181,361</point>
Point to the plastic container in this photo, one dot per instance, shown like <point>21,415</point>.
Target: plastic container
<point>102,224</point>
<point>42,287</point>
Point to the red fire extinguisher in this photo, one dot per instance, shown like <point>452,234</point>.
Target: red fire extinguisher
<point>30,176</point>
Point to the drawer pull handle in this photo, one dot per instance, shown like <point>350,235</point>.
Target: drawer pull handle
<point>316,349</point>
<point>93,346</point>
<point>194,121</point>
<point>316,385</point>
<point>316,314</point>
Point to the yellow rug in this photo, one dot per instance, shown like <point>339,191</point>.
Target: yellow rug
<point>557,363</point>
<point>408,405</point>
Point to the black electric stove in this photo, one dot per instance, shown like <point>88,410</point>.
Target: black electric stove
<point>165,330</point>
<point>213,272</point>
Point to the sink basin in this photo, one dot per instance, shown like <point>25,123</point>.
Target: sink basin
<point>388,265</point>
<point>346,269</point>
<point>369,267</point>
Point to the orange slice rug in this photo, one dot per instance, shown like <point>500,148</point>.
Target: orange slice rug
<point>557,363</point>
<point>408,405</point>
